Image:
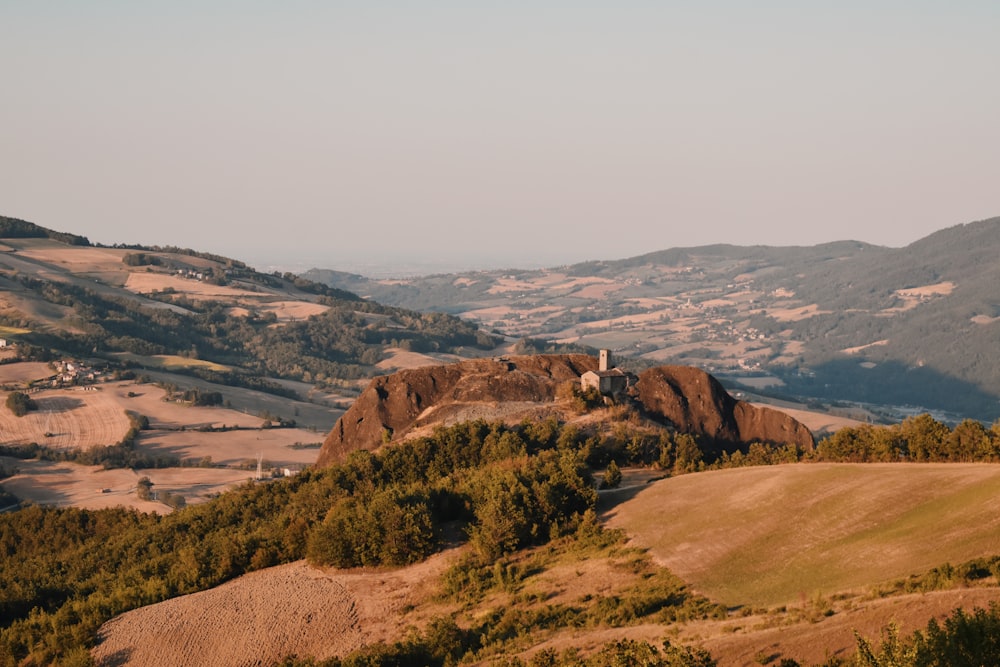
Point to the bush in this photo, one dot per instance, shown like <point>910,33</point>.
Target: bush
<point>612,477</point>
<point>20,403</point>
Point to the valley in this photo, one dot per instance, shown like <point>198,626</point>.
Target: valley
<point>895,330</point>
<point>434,483</point>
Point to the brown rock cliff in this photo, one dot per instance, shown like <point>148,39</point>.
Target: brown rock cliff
<point>695,402</point>
<point>398,401</point>
<point>689,399</point>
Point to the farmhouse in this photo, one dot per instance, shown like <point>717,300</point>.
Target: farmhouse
<point>607,379</point>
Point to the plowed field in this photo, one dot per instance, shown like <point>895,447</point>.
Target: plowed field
<point>67,418</point>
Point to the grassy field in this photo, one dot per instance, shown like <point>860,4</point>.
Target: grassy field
<point>776,535</point>
<point>171,362</point>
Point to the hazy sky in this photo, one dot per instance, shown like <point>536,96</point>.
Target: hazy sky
<point>515,133</point>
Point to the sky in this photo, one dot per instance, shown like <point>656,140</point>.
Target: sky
<point>346,134</point>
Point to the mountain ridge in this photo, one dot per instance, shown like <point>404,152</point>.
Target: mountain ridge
<point>915,326</point>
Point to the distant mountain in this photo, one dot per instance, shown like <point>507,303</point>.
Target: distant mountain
<point>915,326</point>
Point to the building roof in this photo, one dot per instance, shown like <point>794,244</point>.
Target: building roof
<point>611,372</point>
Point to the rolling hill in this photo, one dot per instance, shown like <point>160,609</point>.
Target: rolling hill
<point>907,329</point>
<point>457,517</point>
<point>807,612</point>
<point>201,314</point>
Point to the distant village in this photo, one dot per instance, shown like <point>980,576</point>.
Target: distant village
<point>67,373</point>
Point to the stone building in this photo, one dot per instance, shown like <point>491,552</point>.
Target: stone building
<point>607,379</point>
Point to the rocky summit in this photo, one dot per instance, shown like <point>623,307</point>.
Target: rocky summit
<point>400,405</point>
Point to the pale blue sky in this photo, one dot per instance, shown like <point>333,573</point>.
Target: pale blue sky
<point>345,133</point>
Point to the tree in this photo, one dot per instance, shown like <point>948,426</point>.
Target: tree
<point>20,403</point>
<point>612,476</point>
<point>926,438</point>
<point>142,488</point>
<point>688,456</point>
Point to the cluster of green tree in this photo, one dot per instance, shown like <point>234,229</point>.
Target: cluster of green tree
<point>196,396</point>
<point>15,228</point>
<point>920,438</point>
<point>122,454</point>
<point>964,640</point>
<point>144,491</point>
<point>142,259</point>
<point>20,403</point>
<point>945,577</point>
<point>7,499</point>
<point>392,506</point>
<point>313,287</point>
<point>66,571</point>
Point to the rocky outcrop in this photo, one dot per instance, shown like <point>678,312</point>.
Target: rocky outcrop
<point>695,402</point>
<point>685,398</point>
<point>396,403</point>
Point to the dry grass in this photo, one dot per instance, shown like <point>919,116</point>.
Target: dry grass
<point>86,418</point>
<point>66,418</point>
<point>169,362</point>
<point>149,282</point>
<point>23,372</point>
<point>767,536</point>
<point>814,638</point>
<point>93,487</point>
<point>264,616</point>
<point>399,359</point>
<point>292,311</point>
<point>75,259</point>
<point>792,314</point>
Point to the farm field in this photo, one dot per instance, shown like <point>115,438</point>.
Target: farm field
<point>225,441</point>
<point>92,487</point>
<point>833,527</point>
<point>67,418</point>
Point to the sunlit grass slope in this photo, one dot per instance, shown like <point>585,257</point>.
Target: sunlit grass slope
<point>771,535</point>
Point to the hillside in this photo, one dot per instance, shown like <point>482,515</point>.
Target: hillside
<point>833,527</point>
<point>784,615</point>
<point>204,315</point>
<point>224,364</point>
<point>846,321</point>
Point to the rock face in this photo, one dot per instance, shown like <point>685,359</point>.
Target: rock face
<point>695,402</point>
<point>400,401</point>
<point>685,398</point>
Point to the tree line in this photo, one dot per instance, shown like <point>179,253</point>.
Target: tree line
<point>64,572</point>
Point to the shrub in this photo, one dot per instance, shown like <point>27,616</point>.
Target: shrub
<point>20,403</point>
